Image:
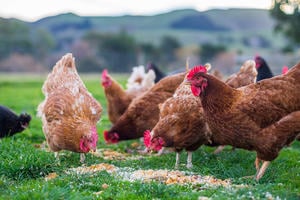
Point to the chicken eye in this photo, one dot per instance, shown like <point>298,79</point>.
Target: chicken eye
<point>89,140</point>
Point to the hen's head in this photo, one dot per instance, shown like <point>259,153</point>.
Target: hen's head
<point>196,79</point>
<point>105,79</point>
<point>259,61</point>
<point>153,144</point>
<point>89,141</point>
<point>24,120</point>
<point>111,137</point>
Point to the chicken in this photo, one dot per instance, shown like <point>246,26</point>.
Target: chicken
<point>181,118</point>
<point>245,76</point>
<point>143,112</point>
<point>263,69</point>
<point>10,123</point>
<point>139,81</point>
<point>69,112</point>
<point>180,121</point>
<point>216,73</point>
<point>117,98</point>
<point>158,73</point>
<point>263,117</point>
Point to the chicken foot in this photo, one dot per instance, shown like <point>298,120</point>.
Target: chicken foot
<point>177,160</point>
<point>260,171</point>
<point>56,155</point>
<point>219,149</point>
<point>82,157</point>
<point>161,151</point>
<point>189,163</point>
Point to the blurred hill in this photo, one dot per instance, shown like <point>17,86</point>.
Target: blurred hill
<point>118,43</point>
<point>177,23</point>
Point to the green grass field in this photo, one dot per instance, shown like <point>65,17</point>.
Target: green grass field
<point>24,166</point>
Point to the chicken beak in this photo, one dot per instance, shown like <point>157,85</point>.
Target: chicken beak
<point>93,150</point>
<point>24,125</point>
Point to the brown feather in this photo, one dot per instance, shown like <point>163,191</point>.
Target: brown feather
<point>118,99</point>
<point>182,122</point>
<point>143,111</point>
<point>69,111</point>
<point>241,117</point>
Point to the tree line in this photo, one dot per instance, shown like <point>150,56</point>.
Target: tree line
<point>120,51</point>
<point>94,51</point>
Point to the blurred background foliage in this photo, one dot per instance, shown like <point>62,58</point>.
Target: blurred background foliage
<point>225,38</point>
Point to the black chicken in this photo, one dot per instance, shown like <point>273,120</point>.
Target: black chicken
<point>158,73</point>
<point>10,123</point>
<point>263,69</point>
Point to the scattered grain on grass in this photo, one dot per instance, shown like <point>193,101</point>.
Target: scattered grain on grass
<point>51,176</point>
<point>108,154</point>
<point>93,168</point>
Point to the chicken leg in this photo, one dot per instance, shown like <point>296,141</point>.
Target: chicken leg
<point>275,137</point>
<point>56,155</point>
<point>82,157</point>
<point>257,163</point>
<point>262,170</point>
<point>177,160</point>
<point>219,149</point>
<point>189,163</point>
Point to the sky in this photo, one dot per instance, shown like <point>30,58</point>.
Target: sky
<point>32,10</point>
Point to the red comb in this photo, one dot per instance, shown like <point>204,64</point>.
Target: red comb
<point>147,138</point>
<point>104,74</point>
<point>105,134</point>
<point>285,69</point>
<point>195,70</point>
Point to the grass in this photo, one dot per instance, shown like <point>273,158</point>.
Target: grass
<point>24,167</point>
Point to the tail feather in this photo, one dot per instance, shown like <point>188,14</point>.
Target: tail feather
<point>64,72</point>
<point>139,79</point>
<point>66,62</point>
<point>148,80</point>
<point>136,77</point>
<point>278,135</point>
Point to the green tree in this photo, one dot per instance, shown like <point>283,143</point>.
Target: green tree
<point>168,47</point>
<point>118,51</point>
<point>208,51</point>
<point>287,15</point>
<point>43,43</point>
<point>150,52</point>
<point>14,37</point>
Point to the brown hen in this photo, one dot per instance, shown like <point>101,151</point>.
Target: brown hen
<point>69,112</point>
<point>263,117</point>
<point>117,98</point>
<point>143,111</point>
<point>182,123</point>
